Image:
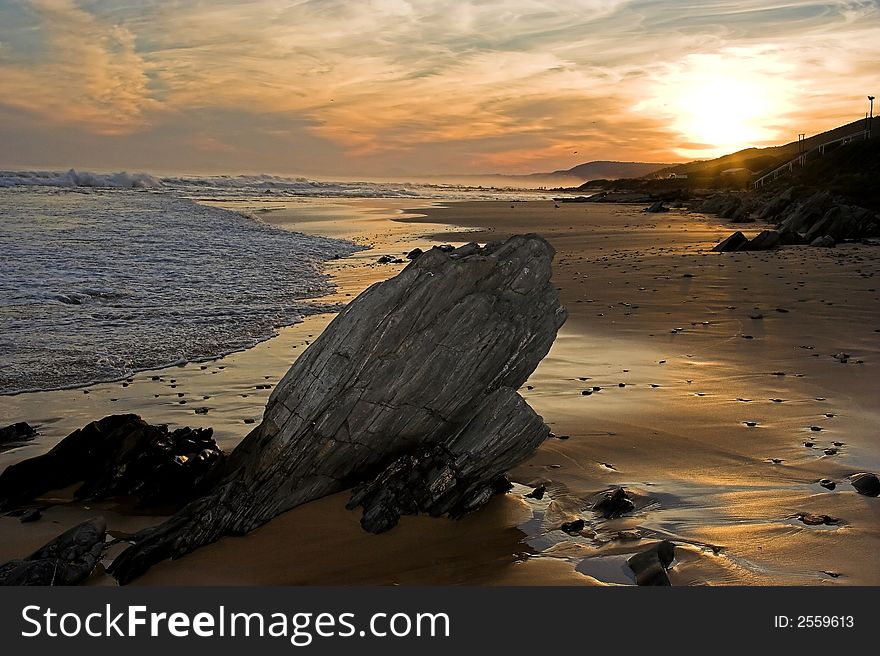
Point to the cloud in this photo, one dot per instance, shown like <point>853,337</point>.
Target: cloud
<point>422,84</point>
<point>90,74</point>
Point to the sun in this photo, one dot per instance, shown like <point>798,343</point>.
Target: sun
<point>725,113</point>
<point>717,104</point>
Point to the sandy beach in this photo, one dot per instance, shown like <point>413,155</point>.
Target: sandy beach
<point>693,378</point>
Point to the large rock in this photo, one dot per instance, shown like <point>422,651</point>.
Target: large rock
<point>66,560</point>
<point>409,394</point>
<point>120,455</point>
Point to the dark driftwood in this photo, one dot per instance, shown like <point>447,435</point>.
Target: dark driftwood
<point>409,394</point>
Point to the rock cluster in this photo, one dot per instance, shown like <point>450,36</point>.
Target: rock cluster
<point>819,219</point>
<point>120,455</point>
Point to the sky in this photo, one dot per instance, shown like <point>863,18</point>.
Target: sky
<point>396,88</point>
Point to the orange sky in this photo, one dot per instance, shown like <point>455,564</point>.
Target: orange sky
<point>419,87</point>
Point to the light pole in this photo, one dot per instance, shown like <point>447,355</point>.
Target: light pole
<point>870,115</point>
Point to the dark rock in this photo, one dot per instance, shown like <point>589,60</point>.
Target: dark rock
<point>66,560</point>
<point>771,209</point>
<point>408,395</point>
<point>414,253</point>
<point>15,434</point>
<point>651,564</point>
<point>817,520</point>
<point>467,250</point>
<point>614,503</point>
<point>733,243</point>
<point>826,241</point>
<point>537,493</point>
<point>445,248</point>
<point>866,483</point>
<point>31,515</point>
<point>385,259</point>
<point>827,483</point>
<point>120,455</point>
<point>765,240</point>
<point>575,526</point>
<point>656,208</point>
<point>803,215</point>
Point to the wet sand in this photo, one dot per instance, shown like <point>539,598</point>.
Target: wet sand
<point>663,327</point>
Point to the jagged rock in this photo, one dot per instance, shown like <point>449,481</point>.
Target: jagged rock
<point>459,475</point>
<point>827,241</point>
<point>408,394</point>
<point>66,560</point>
<point>120,455</point>
<point>866,483</point>
<point>656,208</point>
<point>414,253</point>
<point>651,564</point>
<point>765,240</point>
<point>15,434</point>
<point>734,242</point>
<point>614,503</point>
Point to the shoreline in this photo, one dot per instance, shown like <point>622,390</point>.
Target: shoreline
<point>673,433</point>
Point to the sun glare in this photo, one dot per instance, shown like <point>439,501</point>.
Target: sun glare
<point>726,114</point>
<point>721,104</point>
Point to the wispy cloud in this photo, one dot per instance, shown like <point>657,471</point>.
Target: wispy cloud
<point>435,85</point>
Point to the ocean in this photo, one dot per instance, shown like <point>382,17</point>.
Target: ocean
<point>106,275</point>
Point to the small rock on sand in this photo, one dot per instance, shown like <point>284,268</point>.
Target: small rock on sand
<point>575,526</point>
<point>537,493</point>
<point>817,520</point>
<point>614,503</point>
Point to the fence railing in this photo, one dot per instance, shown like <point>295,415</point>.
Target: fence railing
<point>801,159</point>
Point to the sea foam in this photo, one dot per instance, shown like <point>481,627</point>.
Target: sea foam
<point>94,286</point>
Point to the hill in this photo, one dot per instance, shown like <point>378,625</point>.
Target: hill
<point>603,169</point>
<point>839,167</point>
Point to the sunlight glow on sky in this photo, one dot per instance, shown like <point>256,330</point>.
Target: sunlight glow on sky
<point>418,87</point>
